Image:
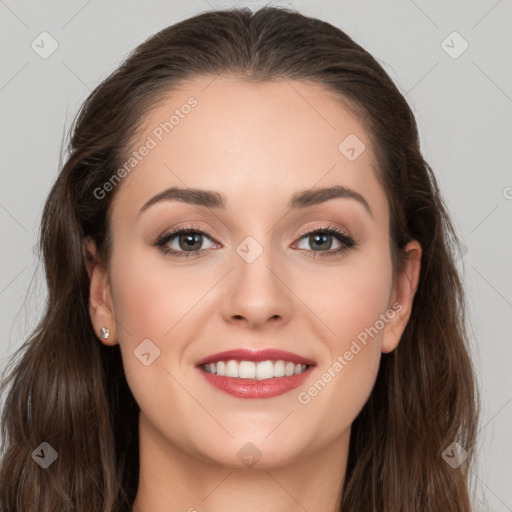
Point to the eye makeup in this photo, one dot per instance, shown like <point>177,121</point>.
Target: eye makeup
<point>319,235</point>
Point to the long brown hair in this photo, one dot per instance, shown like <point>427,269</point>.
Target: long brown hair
<point>69,390</point>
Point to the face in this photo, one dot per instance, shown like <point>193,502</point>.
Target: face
<point>268,263</point>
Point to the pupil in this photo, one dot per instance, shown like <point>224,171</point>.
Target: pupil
<point>321,241</point>
<point>190,239</point>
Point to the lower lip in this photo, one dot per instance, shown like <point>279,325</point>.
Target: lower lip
<point>253,388</point>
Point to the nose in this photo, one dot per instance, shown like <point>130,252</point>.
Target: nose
<point>257,294</point>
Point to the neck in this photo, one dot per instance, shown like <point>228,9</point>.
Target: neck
<point>172,479</point>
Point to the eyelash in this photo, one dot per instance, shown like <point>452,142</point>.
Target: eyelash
<point>347,241</point>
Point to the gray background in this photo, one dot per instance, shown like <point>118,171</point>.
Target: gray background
<point>463,107</point>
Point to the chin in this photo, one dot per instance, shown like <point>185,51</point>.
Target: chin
<point>251,454</point>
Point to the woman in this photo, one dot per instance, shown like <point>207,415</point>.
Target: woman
<point>310,353</point>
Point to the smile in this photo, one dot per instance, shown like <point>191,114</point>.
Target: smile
<point>251,370</point>
<point>250,373</point>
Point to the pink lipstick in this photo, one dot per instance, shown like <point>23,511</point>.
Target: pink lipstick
<point>249,373</point>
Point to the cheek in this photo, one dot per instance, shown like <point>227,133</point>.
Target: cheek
<point>354,303</point>
<point>151,298</point>
<point>157,302</point>
<point>152,304</point>
<point>350,298</point>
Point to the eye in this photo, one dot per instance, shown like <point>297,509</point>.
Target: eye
<point>321,241</point>
<point>189,241</point>
<point>183,242</point>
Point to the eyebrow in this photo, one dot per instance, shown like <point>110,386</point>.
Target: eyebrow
<point>212,199</point>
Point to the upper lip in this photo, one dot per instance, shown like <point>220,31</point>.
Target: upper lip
<point>249,354</point>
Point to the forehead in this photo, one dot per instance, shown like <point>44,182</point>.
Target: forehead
<point>272,138</point>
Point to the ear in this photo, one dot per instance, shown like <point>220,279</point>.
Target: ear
<point>101,308</point>
<point>402,296</point>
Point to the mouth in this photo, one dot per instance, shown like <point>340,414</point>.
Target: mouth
<point>247,373</point>
<point>250,370</point>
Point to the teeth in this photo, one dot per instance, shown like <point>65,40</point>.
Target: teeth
<point>247,369</point>
<point>231,369</point>
<point>265,370</point>
<point>252,370</point>
<point>279,369</point>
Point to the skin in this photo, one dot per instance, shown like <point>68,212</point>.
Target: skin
<point>257,144</point>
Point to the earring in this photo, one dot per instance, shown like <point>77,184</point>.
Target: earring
<point>104,333</point>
